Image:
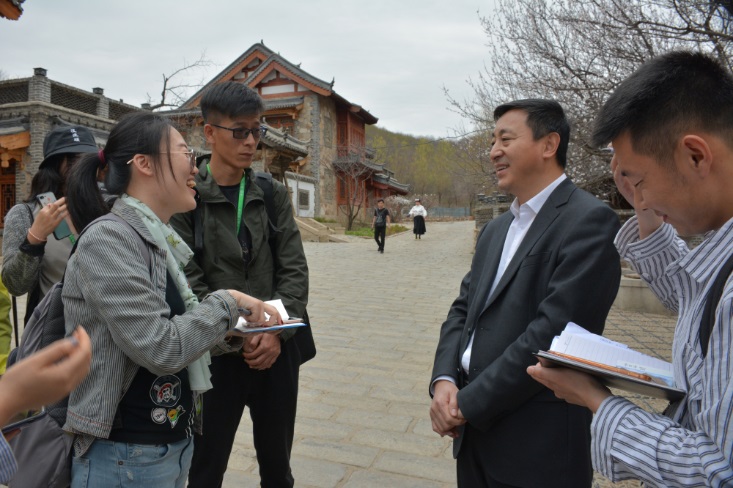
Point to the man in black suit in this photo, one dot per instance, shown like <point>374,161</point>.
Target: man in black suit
<point>547,262</point>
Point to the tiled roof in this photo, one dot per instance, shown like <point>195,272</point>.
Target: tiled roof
<point>11,9</point>
<point>220,77</point>
<point>14,126</point>
<point>391,182</point>
<point>354,158</point>
<point>293,69</point>
<point>300,177</point>
<point>278,139</point>
<point>275,103</point>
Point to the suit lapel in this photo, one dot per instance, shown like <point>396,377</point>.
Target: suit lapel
<point>490,264</point>
<point>548,213</point>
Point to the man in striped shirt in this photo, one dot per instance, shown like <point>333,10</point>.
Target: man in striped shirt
<point>671,126</point>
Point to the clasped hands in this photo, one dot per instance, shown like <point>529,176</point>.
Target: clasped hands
<point>444,411</point>
<point>567,384</point>
<point>260,350</point>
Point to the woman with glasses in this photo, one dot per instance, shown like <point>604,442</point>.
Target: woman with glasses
<point>134,415</point>
<point>33,258</point>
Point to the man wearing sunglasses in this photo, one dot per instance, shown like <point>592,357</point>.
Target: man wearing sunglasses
<point>237,254</point>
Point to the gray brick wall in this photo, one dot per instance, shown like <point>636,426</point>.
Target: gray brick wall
<point>40,87</point>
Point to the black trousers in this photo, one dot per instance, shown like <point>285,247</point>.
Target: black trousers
<point>486,460</point>
<point>271,396</point>
<point>380,233</point>
<point>469,465</point>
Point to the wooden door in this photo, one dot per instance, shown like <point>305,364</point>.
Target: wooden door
<point>7,191</point>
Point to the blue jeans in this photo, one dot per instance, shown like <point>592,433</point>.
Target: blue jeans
<point>118,464</point>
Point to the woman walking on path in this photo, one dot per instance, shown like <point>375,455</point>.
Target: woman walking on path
<point>418,214</point>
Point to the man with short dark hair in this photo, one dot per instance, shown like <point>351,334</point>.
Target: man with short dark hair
<point>237,253</point>
<point>548,261</point>
<point>380,220</point>
<point>671,126</point>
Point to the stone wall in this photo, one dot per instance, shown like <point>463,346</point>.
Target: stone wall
<point>39,112</point>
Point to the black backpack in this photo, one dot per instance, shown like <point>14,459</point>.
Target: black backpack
<point>44,439</point>
<point>303,335</point>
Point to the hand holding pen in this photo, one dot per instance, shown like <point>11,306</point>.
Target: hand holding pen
<point>254,310</point>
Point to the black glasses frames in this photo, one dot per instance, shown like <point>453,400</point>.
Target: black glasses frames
<point>189,154</point>
<point>242,133</point>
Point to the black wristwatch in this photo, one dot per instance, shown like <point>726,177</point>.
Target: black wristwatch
<point>34,250</point>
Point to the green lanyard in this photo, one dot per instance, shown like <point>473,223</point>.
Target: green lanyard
<point>240,204</point>
<point>72,239</point>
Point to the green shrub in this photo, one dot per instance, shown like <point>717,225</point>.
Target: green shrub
<point>395,229</point>
<point>324,220</point>
<point>369,232</point>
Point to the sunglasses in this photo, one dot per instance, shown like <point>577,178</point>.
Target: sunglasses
<point>242,133</point>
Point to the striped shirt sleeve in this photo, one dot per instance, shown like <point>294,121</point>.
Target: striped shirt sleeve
<point>695,448</point>
<point>651,256</point>
<point>8,465</point>
<point>631,443</point>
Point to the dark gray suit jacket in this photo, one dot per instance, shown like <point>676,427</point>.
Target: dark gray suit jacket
<point>566,269</point>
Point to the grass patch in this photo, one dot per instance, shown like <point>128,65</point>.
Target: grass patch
<point>324,220</point>
<point>369,232</point>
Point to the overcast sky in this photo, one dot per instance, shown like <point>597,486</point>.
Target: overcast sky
<point>393,57</point>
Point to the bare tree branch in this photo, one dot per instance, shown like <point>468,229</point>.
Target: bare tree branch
<point>352,174</point>
<point>174,94</point>
<point>578,52</point>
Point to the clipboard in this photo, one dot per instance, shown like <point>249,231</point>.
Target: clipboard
<point>243,330</point>
<point>610,377</point>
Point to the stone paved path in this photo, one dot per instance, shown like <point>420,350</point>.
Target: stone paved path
<point>363,408</point>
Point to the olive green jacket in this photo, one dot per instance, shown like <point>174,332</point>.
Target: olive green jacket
<point>221,265</point>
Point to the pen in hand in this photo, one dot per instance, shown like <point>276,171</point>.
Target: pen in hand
<point>244,311</point>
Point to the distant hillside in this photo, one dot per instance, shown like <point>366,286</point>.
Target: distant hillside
<point>447,169</point>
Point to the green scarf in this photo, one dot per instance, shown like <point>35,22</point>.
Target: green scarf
<point>178,255</point>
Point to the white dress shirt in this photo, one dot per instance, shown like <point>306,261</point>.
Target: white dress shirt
<point>524,215</point>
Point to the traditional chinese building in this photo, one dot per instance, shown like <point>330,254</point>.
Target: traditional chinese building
<point>319,133</point>
<point>11,9</point>
<point>29,109</point>
<point>314,134</point>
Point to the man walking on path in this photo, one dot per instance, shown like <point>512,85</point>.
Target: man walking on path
<point>379,223</point>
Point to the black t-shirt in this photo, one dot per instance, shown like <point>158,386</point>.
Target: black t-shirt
<point>157,409</point>
<point>245,240</point>
<point>381,215</point>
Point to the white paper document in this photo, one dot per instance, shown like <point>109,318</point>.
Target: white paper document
<point>578,342</point>
<point>243,327</point>
<point>614,364</point>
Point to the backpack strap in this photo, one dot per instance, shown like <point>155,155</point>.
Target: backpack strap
<point>34,295</point>
<point>264,181</point>
<point>711,303</point>
<point>198,229</point>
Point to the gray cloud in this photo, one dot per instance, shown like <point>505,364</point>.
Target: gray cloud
<point>391,57</point>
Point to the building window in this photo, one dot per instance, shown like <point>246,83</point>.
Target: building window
<point>303,199</point>
<point>284,123</point>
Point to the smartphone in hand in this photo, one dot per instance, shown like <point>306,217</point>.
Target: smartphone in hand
<point>22,419</point>
<point>62,231</point>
